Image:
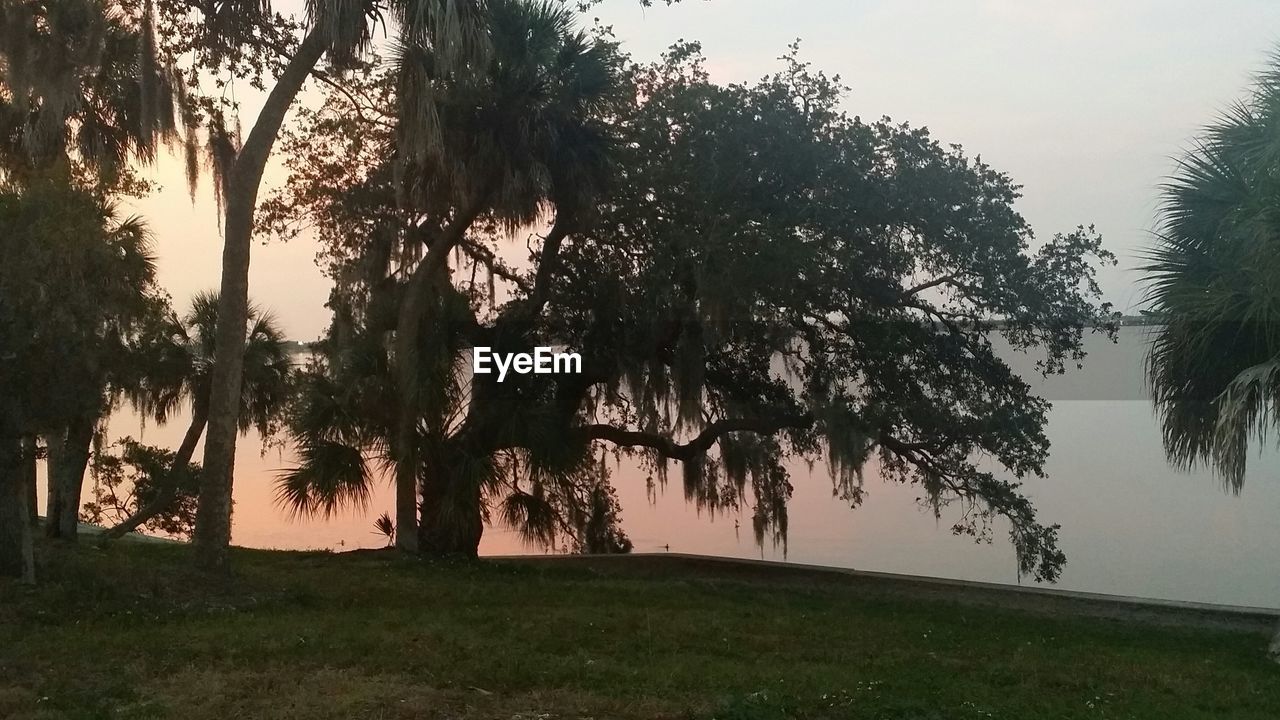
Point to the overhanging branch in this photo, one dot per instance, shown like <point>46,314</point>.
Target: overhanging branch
<point>702,443</point>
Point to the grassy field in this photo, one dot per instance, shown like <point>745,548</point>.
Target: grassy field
<point>130,632</point>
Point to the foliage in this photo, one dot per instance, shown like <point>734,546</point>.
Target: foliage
<point>750,274</point>
<point>830,282</point>
<point>521,139</point>
<point>386,527</point>
<point>81,86</point>
<point>1211,276</point>
<point>76,286</point>
<point>174,361</point>
<point>126,478</point>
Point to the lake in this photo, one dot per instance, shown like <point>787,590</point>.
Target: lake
<point>1131,524</point>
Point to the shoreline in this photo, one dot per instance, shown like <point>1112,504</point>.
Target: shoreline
<point>1036,600</point>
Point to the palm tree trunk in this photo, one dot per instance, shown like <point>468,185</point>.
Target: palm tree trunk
<point>408,333</point>
<point>168,486</point>
<point>213,518</point>
<point>405,447</point>
<point>16,546</point>
<point>452,522</point>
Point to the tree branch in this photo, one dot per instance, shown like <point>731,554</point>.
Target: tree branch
<point>931,284</point>
<point>547,261</point>
<point>485,256</point>
<point>699,445</point>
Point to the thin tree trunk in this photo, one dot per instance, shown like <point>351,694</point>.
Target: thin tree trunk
<point>212,534</point>
<point>168,486</point>
<point>16,546</point>
<point>69,477</point>
<point>29,477</point>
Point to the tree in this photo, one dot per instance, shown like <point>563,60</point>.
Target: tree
<point>520,137</point>
<point>130,482</point>
<point>759,277</point>
<point>174,366</point>
<point>1214,365</point>
<point>74,282</point>
<point>240,36</point>
<point>245,39</point>
<point>81,94</point>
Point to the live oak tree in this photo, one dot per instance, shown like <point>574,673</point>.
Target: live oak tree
<point>750,275</point>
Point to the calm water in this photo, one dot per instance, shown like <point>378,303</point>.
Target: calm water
<point>1130,524</point>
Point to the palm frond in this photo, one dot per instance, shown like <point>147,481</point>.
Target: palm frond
<point>330,477</point>
<point>1211,273</point>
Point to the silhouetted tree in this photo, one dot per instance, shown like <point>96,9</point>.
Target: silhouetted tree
<point>73,284</point>
<point>1214,363</point>
<point>756,277</point>
<point>173,367</point>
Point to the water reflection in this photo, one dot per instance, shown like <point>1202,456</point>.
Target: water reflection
<point>1131,525</point>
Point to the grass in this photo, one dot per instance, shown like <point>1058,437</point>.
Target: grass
<point>131,632</point>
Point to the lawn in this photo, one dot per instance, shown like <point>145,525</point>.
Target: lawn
<point>131,632</point>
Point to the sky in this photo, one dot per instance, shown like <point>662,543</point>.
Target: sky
<point>1085,103</point>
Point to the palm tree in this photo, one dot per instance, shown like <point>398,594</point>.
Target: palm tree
<point>1214,367</point>
<point>520,140</point>
<point>81,94</point>
<point>175,365</point>
<point>76,283</point>
<point>342,29</point>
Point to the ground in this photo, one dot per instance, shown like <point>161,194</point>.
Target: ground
<point>130,632</point>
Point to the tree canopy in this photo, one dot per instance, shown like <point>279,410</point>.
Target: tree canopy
<point>750,274</point>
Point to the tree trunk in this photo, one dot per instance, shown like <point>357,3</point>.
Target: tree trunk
<point>167,490</point>
<point>1274,650</point>
<point>405,448</point>
<point>66,479</point>
<point>213,518</point>
<point>53,495</point>
<point>16,547</point>
<point>29,477</point>
<point>68,459</point>
<point>452,523</point>
<point>413,307</point>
